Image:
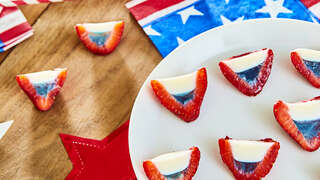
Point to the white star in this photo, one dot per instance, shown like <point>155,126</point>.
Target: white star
<point>148,30</point>
<point>180,41</point>
<point>274,8</point>
<point>186,13</point>
<point>228,21</point>
<point>227,1</point>
<point>4,127</point>
<point>314,20</point>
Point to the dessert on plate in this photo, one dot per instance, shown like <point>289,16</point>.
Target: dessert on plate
<point>180,165</point>
<point>307,62</point>
<point>249,160</point>
<point>301,120</point>
<point>248,72</point>
<point>182,95</point>
<point>42,87</point>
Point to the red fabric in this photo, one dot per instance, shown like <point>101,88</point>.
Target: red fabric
<point>15,31</point>
<point>15,3</point>
<point>309,3</point>
<point>149,7</point>
<point>107,159</point>
<point>7,10</point>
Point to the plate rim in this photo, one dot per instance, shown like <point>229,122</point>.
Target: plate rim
<point>187,43</point>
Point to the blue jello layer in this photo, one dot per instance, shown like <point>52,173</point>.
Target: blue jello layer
<point>313,66</point>
<point>246,167</point>
<point>174,176</point>
<point>184,97</point>
<point>309,129</point>
<point>99,38</point>
<point>43,89</point>
<point>250,75</point>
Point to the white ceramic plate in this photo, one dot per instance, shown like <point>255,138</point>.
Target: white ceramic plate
<point>225,111</point>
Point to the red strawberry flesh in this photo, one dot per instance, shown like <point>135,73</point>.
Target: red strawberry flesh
<point>101,42</point>
<point>252,171</point>
<point>307,72</point>
<point>154,174</point>
<point>43,94</point>
<point>189,111</point>
<point>258,75</point>
<point>305,134</point>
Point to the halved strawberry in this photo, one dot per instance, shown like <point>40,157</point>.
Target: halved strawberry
<point>248,72</point>
<point>100,38</point>
<point>182,95</point>
<point>181,165</point>
<point>249,160</point>
<point>42,87</point>
<point>307,62</point>
<point>301,121</point>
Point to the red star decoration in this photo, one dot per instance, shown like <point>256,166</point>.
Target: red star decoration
<point>99,160</point>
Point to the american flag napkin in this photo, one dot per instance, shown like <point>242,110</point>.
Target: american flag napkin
<point>14,3</point>
<point>14,27</point>
<point>313,6</point>
<point>169,23</point>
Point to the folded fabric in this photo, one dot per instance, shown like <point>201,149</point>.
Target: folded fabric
<point>313,6</point>
<point>13,3</point>
<point>14,27</point>
<point>170,23</point>
<point>105,159</point>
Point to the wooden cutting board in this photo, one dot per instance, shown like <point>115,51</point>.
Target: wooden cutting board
<point>97,96</point>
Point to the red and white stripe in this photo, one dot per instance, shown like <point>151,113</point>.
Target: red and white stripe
<point>13,3</point>
<point>313,6</point>
<point>145,11</point>
<point>14,27</point>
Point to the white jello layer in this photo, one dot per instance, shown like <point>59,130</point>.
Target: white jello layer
<point>308,54</point>
<point>249,61</point>
<point>172,163</point>
<point>304,111</point>
<point>249,151</point>
<point>180,84</point>
<point>44,76</point>
<point>100,27</point>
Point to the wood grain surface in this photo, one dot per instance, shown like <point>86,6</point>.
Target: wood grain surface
<point>97,96</point>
